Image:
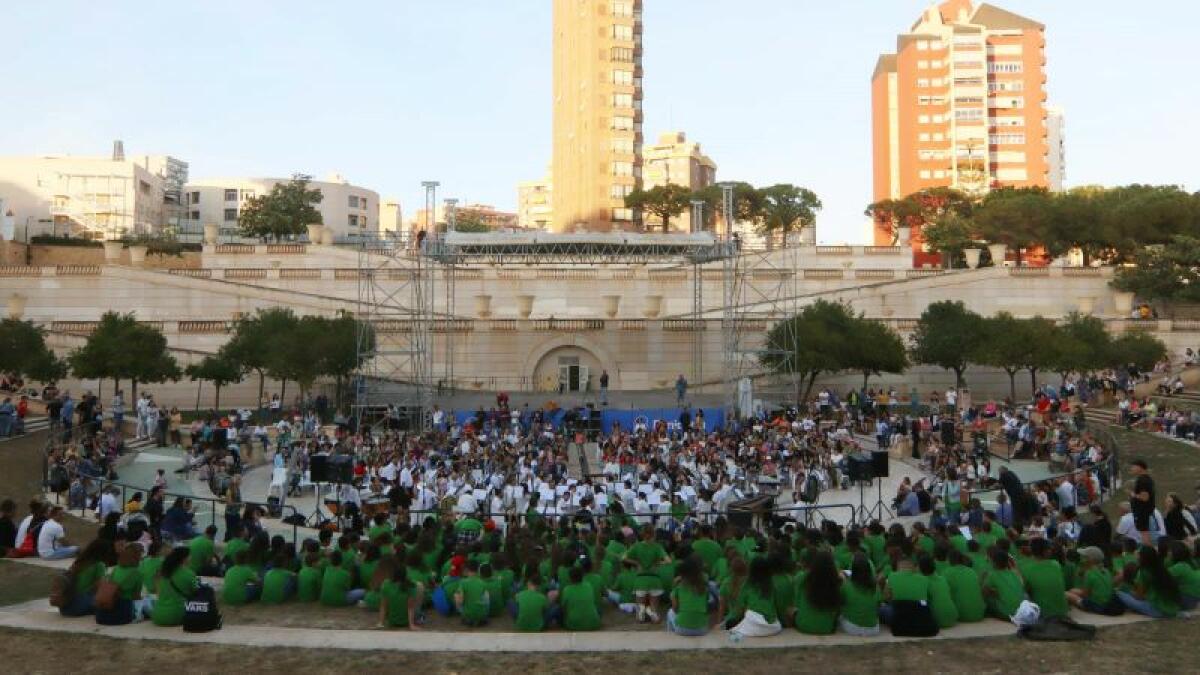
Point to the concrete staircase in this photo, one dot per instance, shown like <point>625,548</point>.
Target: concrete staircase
<point>1101,416</point>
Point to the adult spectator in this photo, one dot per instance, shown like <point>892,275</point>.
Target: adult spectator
<point>1180,525</point>
<point>1155,593</point>
<point>1099,532</point>
<point>1012,486</point>
<point>1141,499</point>
<point>86,572</point>
<point>51,542</point>
<point>8,414</point>
<point>681,386</point>
<point>176,583</point>
<point>8,528</point>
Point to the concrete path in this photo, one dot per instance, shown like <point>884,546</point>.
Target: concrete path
<point>38,615</point>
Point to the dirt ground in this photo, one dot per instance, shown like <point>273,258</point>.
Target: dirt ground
<point>1174,466</point>
<point>1150,647</point>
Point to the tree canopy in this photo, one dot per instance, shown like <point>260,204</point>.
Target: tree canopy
<point>661,201</point>
<point>1168,272</point>
<point>787,207</point>
<point>23,352</point>
<point>121,348</point>
<point>286,210</point>
<point>219,370</point>
<point>948,335</point>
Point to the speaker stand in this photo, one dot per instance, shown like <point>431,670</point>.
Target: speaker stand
<point>316,518</point>
<point>877,511</point>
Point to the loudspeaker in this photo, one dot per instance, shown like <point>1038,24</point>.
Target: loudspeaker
<point>318,469</point>
<point>879,463</point>
<point>341,468</point>
<point>860,467</point>
<point>740,519</point>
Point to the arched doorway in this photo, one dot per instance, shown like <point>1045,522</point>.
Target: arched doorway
<point>568,368</point>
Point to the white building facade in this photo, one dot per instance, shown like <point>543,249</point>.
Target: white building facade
<point>349,211</point>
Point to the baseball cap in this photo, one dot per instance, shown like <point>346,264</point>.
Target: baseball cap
<point>1092,554</point>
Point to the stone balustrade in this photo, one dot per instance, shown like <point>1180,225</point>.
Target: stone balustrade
<point>77,271</point>
<point>874,275</point>
<point>192,273</point>
<point>20,271</point>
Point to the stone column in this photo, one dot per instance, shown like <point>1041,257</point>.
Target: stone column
<point>211,232</point>
<point>112,252</point>
<point>1123,304</point>
<point>652,306</point>
<point>905,236</point>
<point>997,251</point>
<point>525,305</point>
<point>314,233</point>
<point>612,304</point>
<point>483,306</point>
<point>16,306</point>
<point>137,255</point>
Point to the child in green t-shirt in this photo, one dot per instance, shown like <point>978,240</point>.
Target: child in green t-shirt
<point>308,581</point>
<point>400,600</point>
<point>1095,592</point>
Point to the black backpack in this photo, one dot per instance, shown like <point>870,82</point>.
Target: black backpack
<point>913,619</point>
<point>200,611</point>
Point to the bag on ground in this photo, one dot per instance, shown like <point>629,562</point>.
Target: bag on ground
<point>201,614</point>
<point>62,590</point>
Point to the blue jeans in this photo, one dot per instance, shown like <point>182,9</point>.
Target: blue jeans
<point>61,553</point>
<point>6,423</point>
<point>82,604</point>
<point>1140,606</point>
<point>678,630</point>
<point>354,595</point>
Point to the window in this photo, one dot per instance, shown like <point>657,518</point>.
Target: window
<point>622,168</point>
<point>939,137</point>
<point>622,9</point>
<point>924,136</point>
<point>1012,85</point>
<point>939,174</point>
<point>935,64</point>
<point>968,100</point>
<point>622,145</point>
<point>937,44</point>
<point>624,77</point>
<point>968,82</point>
<point>362,202</point>
<point>622,123</point>
<point>923,45</point>
<point>922,119</point>
<point>1005,67</point>
<point>620,191</point>
<point>925,174</point>
<point>922,65</point>
<point>231,195</point>
<point>1018,102</point>
<point>938,119</point>
<point>230,215</point>
<point>936,82</point>
<point>621,32</point>
<point>1008,121</point>
<point>352,220</point>
<point>922,82</point>
<point>247,194</point>
<point>1007,139</point>
<point>194,215</point>
<point>195,198</point>
<point>620,214</point>
<point>622,54</point>
<point>622,100</point>
<point>968,65</point>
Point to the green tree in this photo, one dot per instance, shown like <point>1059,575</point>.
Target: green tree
<point>255,341</point>
<point>1013,345</point>
<point>344,339</point>
<point>23,352</point>
<point>121,348</point>
<point>892,214</point>
<point>874,349</point>
<point>948,335</point>
<point>217,369</point>
<point>788,207</point>
<point>662,201</point>
<point>1169,273</point>
<point>1081,345</point>
<point>918,210</point>
<point>747,204</point>
<point>812,342</point>
<point>1017,217</point>
<point>286,210</point>
<point>950,235</point>
<point>470,222</point>
<point>299,354</point>
<point>1136,347</point>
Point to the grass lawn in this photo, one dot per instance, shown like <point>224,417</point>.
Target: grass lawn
<point>22,583</point>
<point>1174,466</point>
<point>1147,647</point>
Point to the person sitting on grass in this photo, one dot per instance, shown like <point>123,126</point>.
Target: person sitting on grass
<point>578,601</point>
<point>1096,594</point>
<point>237,542</point>
<point>730,601</point>
<point>129,606</point>
<point>176,583</point>
<point>818,595</point>
<point>399,600</point>
<point>965,588</point>
<point>532,609</point>
<point>1187,575</point>
<point>1043,578</point>
<point>688,615</point>
<point>203,555</point>
<point>1003,588</point>
<point>1154,592</point>
<point>86,572</point>
<point>759,617</point>
<point>471,598</point>
<point>860,600</point>
<point>337,584</point>
<point>279,583</point>
<point>493,585</point>
<point>308,581</point>
<point>241,582</point>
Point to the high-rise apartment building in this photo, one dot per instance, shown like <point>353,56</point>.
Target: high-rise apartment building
<point>962,103</point>
<point>597,113</point>
<point>676,160</point>
<point>535,203</point>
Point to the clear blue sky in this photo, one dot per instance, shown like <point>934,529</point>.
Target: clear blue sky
<point>389,93</point>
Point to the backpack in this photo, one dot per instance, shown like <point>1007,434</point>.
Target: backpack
<point>913,619</point>
<point>62,589</point>
<point>200,613</point>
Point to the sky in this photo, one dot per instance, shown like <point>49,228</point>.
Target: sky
<point>390,93</point>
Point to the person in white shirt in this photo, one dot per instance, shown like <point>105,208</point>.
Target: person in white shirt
<point>51,544</point>
<point>1066,494</point>
<point>108,504</point>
